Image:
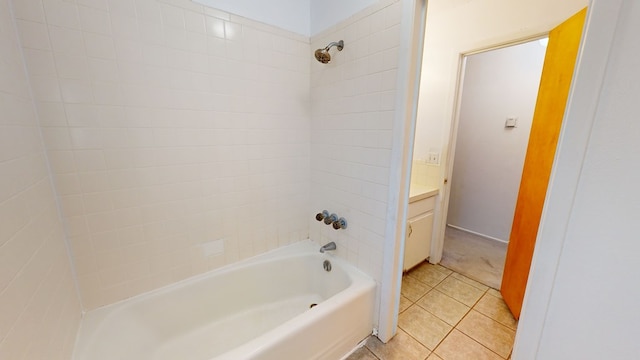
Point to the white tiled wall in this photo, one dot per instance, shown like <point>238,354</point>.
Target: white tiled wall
<point>353,105</point>
<point>40,310</point>
<point>168,125</point>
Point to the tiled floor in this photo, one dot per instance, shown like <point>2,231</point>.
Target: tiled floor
<point>445,316</point>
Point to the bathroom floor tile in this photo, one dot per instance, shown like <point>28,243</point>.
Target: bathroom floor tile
<point>496,309</point>
<point>442,269</point>
<point>404,303</point>
<point>413,289</point>
<point>488,332</point>
<point>362,354</point>
<point>444,307</point>
<point>423,326</point>
<point>494,292</point>
<point>458,346</point>
<point>429,274</point>
<point>401,347</point>
<point>439,318</point>
<point>471,282</point>
<point>460,290</point>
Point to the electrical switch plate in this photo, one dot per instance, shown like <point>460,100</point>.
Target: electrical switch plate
<point>511,122</point>
<point>433,158</point>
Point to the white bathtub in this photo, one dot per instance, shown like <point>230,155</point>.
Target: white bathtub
<point>257,309</point>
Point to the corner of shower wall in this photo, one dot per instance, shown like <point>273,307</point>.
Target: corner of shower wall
<point>352,111</point>
<point>40,307</point>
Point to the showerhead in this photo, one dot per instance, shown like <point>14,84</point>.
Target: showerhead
<point>323,56</point>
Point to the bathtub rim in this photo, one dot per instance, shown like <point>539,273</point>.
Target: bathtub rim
<point>93,320</point>
<point>306,246</point>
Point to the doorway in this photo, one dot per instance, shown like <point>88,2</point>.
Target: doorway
<point>496,105</point>
<point>454,28</point>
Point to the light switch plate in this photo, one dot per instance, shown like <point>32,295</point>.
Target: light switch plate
<point>511,122</point>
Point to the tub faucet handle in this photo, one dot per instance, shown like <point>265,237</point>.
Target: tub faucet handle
<point>340,224</point>
<point>321,216</point>
<point>330,219</point>
<point>329,246</point>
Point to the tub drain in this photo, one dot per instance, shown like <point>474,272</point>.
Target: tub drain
<point>326,265</point>
<point>312,305</point>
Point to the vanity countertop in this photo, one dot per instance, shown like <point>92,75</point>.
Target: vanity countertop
<point>419,192</point>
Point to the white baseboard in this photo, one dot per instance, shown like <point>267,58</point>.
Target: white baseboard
<point>479,234</point>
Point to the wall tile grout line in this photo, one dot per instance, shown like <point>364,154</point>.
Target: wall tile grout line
<point>46,154</point>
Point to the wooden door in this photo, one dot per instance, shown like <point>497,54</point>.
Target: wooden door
<point>555,82</point>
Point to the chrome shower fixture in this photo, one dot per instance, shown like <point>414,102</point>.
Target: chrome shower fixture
<point>332,219</point>
<point>323,55</point>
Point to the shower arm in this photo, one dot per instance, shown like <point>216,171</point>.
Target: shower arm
<point>339,45</point>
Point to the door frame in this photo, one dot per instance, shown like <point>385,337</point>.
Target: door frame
<point>439,232</point>
<point>597,38</point>
<point>412,30</point>
<point>442,204</point>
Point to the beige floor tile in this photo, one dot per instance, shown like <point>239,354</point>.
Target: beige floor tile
<point>488,332</point>
<point>404,303</point>
<point>401,347</point>
<point>494,292</point>
<point>362,354</point>
<point>444,307</point>
<point>429,274</point>
<point>460,291</point>
<point>484,333</point>
<point>442,269</point>
<point>413,289</point>
<point>458,346</point>
<point>496,309</point>
<point>423,326</point>
<point>471,282</point>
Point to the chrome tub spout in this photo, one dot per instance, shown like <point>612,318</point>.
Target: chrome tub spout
<point>329,246</point>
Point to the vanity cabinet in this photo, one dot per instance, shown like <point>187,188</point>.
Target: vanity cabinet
<point>419,227</point>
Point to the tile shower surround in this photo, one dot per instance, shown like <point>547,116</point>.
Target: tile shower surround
<point>40,310</point>
<point>168,125</point>
<point>352,111</point>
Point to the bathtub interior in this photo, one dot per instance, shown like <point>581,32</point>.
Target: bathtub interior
<point>198,317</point>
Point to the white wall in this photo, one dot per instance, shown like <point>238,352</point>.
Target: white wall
<point>39,306</point>
<point>292,15</point>
<point>592,310</point>
<point>169,127</point>
<point>306,17</point>
<point>327,13</point>
<point>455,28</point>
<point>489,158</point>
<point>352,110</point>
